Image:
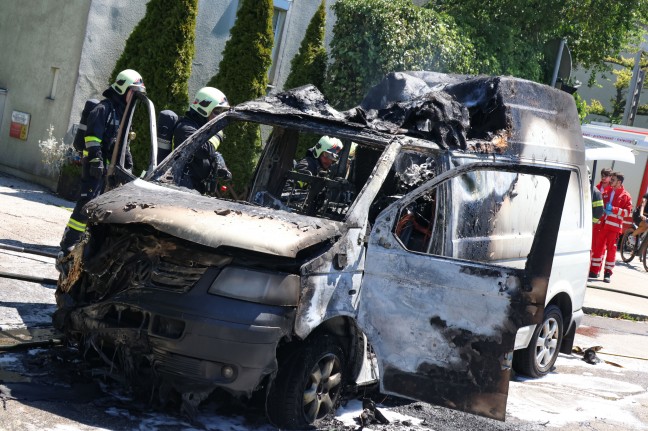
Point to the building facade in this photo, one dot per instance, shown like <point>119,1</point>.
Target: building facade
<point>58,54</point>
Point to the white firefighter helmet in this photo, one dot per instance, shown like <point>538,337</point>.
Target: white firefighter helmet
<point>126,79</point>
<point>208,98</point>
<point>330,145</point>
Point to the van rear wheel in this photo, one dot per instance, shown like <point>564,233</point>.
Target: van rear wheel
<point>541,354</point>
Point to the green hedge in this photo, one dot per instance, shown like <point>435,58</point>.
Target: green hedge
<point>242,76</point>
<point>374,37</point>
<point>309,65</point>
<point>161,49</point>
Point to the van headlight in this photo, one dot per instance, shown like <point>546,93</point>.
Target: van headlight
<point>264,287</point>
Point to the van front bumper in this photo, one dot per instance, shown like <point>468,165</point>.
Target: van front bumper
<point>194,342</point>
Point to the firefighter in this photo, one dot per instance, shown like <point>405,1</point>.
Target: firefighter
<point>206,164</point>
<point>100,136</point>
<point>321,157</point>
<point>617,206</point>
<point>597,204</point>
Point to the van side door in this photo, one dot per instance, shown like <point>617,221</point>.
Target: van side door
<point>453,269</point>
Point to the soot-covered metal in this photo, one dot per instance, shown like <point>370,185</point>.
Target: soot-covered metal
<point>188,293</point>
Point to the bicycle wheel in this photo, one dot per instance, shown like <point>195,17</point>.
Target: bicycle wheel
<point>628,248</point>
<point>644,248</point>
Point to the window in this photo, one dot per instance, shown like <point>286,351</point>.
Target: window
<point>289,181</point>
<point>483,216</point>
<point>278,22</point>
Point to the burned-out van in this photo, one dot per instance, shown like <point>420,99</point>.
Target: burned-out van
<point>448,244</point>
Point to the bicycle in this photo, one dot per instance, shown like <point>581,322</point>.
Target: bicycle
<point>632,246</point>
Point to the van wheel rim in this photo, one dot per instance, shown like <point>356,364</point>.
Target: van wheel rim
<point>547,343</point>
<point>322,389</point>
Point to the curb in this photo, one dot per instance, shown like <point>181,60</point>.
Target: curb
<point>615,314</point>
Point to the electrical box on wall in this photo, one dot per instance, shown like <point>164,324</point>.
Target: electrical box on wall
<point>3,96</point>
<point>19,125</point>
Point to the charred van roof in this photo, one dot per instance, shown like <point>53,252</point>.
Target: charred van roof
<point>480,114</point>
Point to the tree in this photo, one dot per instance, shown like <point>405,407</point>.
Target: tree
<point>621,85</point>
<point>617,102</point>
<point>160,48</point>
<point>374,37</point>
<point>510,34</point>
<point>309,64</point>
<point>242,76</point>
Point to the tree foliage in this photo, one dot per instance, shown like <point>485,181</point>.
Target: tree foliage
<point>161,49</point>
<point>621,85</point>
<point>242,76</point>
<point>309,65</point>
<point>375,37</point>
<point>618,101</point>
<point>510,34</point>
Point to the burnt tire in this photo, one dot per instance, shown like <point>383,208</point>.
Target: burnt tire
<point>541,354</point>
<point>308,385</point>
<point>627,247</point>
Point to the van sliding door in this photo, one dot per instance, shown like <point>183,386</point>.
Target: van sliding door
<point>453,269</point>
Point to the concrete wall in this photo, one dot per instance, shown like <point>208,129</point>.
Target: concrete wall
<point>213,24</point>
<point>84,39</point>
<point>216,18</point>
<point>299,16</point>
<point>113,20</point>
<point>37,36</point>
<point>110,22</point>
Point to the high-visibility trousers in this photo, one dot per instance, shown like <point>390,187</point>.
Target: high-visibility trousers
<point>604,242</point>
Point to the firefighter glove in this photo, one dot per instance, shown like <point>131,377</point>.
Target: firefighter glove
<point>221,168</point>
<point>224,174</point>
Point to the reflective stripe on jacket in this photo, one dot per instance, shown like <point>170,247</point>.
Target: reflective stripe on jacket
<point>597,205</point>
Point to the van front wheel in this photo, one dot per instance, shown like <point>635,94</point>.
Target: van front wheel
<point>308,385</point>
<point>541,354</point>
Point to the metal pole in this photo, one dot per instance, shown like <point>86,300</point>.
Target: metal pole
<point>27,250</point>
<point>41,280</point>
<point>593,176</point>
<point>632,88</point>
<point>554,78</point>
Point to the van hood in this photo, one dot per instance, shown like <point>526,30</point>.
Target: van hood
<point>209,221</point>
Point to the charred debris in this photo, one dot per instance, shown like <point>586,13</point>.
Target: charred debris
<point>453,111</point>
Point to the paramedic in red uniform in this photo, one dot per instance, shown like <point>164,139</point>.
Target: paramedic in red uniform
<point>618,205</point>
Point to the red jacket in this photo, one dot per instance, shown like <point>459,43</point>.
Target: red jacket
<point>621,208</point>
